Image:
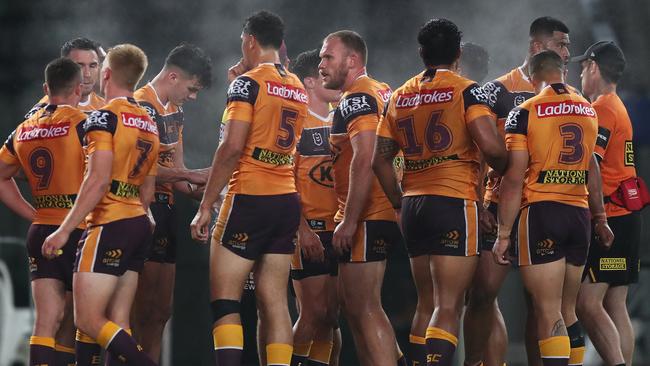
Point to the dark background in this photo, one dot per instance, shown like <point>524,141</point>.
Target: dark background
<point>33,31</point>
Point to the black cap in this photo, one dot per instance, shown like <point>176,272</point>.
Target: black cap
<point>606,54</point>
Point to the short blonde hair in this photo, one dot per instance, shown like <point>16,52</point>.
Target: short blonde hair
<point>127,63</point>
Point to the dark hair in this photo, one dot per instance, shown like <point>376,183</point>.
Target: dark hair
<point>305,64</point>
<point>266,27</point>
<point>352,41</point>
<point>545,63</point>
<point>474,61</point>
<point>610,73</point>
<point>546,26</point>
<point>439,41</point>
<point>62,75</point>
<point>193,61</point>
<point>80,44</point>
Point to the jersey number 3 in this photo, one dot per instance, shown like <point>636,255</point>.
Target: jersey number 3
<point>572,137</point>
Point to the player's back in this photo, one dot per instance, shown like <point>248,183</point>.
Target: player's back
<point>169,119</point>
<point>359,110</point>
<point>558,128</point>
<point>274,102</point>
<point>428,116</point>
<point>49,147</point>
<point>126,129</point>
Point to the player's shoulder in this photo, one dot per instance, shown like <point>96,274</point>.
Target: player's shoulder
<point>144,93</point>
<point>71,113</point>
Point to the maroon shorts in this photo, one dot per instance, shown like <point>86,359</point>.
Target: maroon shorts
<point>439,225</point>
<point>549,231</point>
<point>115,247</point>
<point>59,268</point>
<point>302,268</point>
<point>372,241</point>
<point>252,225</point>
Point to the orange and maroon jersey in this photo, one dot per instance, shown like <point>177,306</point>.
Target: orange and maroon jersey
<point>614,147</point>
<point>126,129</point>
<point>169,119</point>
<point>274,102</point>
<point>428,118</point>
<point>93,103</point>
<point>359,110</point>
<point>558,129</point>
<point>48,147</point>
<point>314,178</point>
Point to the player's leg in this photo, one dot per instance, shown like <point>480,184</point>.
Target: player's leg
<point>271,276</point>
<point>49,304</point>
<point>615,304</point>
<point>311,295</point>
<point>450,285</point>
<point>360,288</point>
<point>421,272</point>
<point>530,336</point>
<point>119,308</point>
<point>485,331</point>
<point>65,336</point>
<point>153,306</point>
<point>570,290</point>
<point>544,282</point>
<point>326,346</point>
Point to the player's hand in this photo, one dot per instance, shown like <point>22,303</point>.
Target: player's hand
<point>344,236</point>
<point>486,220</point>
<point>197,176</point>
<point>603,233</point>
<point>53,243</point>
<point>311,246</point>
<point>500,251</point>
<point>236,70</point>
<point>199,225</point>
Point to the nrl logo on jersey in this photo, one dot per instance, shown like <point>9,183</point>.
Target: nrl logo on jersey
<point>142,123</point>
<point>286,92</point>
<point>43,132</point>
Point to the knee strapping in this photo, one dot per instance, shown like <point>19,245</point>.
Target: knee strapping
<point>223,307</point>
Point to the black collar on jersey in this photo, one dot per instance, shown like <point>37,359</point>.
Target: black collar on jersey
<point>131,100</point>
<point>429,74</point>
<point>560,88</point>
<point>50,108</point>
<point>281,70</point>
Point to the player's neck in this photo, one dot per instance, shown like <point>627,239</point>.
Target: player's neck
<point>353,75</point>
<point>602,89</point>
<point>114,91</point>
<point>267,56</point>
<point>158,85</point>
<point>85,98</point>
<point>318,106</point>
<point>58,100</point>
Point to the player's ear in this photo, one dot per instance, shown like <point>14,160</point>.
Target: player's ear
<point>46,90</point>
<point>77,89</point>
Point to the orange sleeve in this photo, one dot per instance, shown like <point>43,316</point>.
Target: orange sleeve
<point>606,127</point>
<point>366,122</point>
<point>385,128</point>
<point>99,140</point>
<point>7,157</point>
<point>240,111</point>
<point>516,142</point>
<point>476,111</point>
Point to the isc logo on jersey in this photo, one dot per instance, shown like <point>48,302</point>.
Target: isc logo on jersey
<point>43,132</point>
<point>286,92</point>
<point>424,97</point>
<point>143,123</point>
<point>567,108</point>
<point>239,88</point>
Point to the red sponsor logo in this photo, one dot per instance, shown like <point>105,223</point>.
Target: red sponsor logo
<point>565,108</point>
<point>425,97</point>
<point>142,123</point>
<point>384,94</point>
<point>286,92</point>
<point>43,132</point>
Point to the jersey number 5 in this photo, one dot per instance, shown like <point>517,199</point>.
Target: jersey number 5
<point>145,148</point>
<point>572,142</point>
<point>287,126</point>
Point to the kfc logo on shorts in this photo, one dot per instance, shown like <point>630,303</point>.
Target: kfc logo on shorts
<point>287,92</point>
<point>43,132</point>
<point>142,123</point>
<point>565,108</point>
<point>424,97</point>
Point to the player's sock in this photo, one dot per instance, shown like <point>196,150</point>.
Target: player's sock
<point>441,346</point>
<point>300,354</point>
<point>87,350</point>
<point>577,342</point>
<point>112,360</point>
<point>555,351</point>
<point>320,353</point>
<point>122,346</point>
<point>278,354</point>
<point>228,344</point>
<point>41,351</point>
<point>64,355</point>
<point>417,350</point>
